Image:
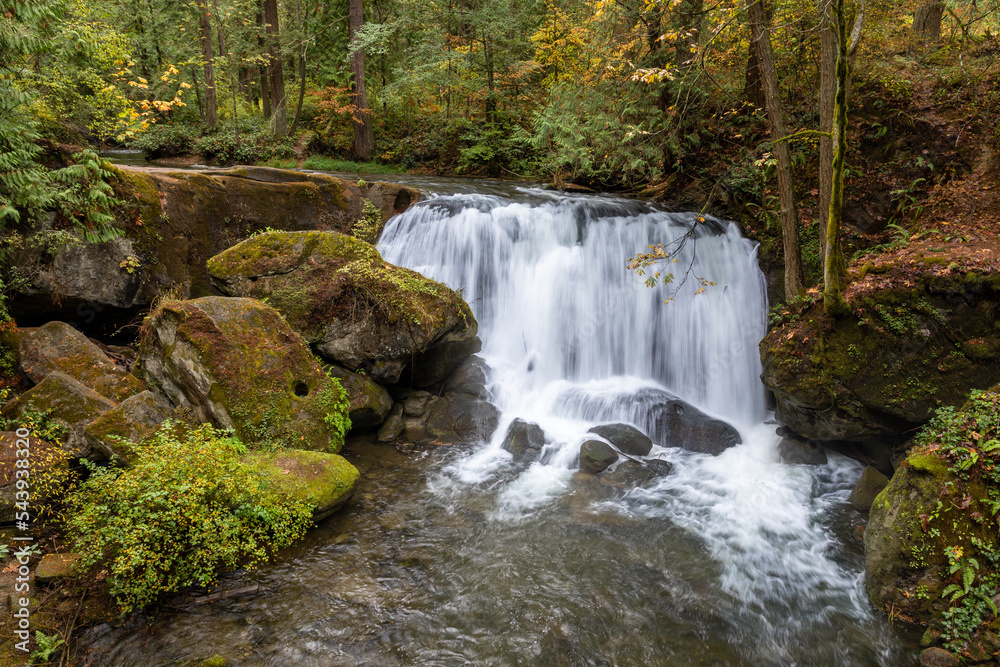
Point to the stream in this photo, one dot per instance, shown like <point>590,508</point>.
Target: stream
<point>452,555</point>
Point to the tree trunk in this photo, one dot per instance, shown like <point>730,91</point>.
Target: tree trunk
<point>753,88</point>
<point>689,18</point>
<point>211,105</point>
<point>218,29</point>
<point>363,136</point>
<point>827,91</point>
<point>927,24</point>
<point>302,87</point>
<point>786,191</point>
<point>265,79</point>
<point>276,76</point>
<point>197,92</point>
<point>835,271</point>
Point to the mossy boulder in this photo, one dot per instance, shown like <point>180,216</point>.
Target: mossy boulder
<point>70,404</point>
<point>914,339</point>
<point>370,402</point>
<point>359,311</point>
<point>57,346</point>
<point>54,568</point>
<point>323,481</point>
<point>596,456</point>
<point>42,456</point>
<point>135,419</point>
<point>235,363</point>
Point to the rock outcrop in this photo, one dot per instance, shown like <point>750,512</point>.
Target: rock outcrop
<point>235,363</point>
<point>359,311</point>
<point>626,438</point>
<point>176,220</point>
<point>915,338</point>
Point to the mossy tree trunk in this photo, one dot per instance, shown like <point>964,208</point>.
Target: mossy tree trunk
<point>775,117</point>
<point>827,92</point>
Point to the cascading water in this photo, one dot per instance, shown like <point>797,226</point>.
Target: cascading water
<point>454,556</point>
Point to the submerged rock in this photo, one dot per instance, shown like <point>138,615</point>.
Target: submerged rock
<point>524,440</point>
<point>596,456</point>
<point>236,363</point>
<point>358,310</point>
<point>393,426</point>
<point>57,346</point>
<point>71,404</point>
<point>678,424</point>
<point>628,439</point>
<point>324,481</point>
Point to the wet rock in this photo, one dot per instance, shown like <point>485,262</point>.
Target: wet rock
<point>524,440</point>
<point>72,405</point>
<point>930,637</point>
<point>869,486</point>
<point>370,402</point>
<point>804,452</point>
<point>596,456</point>
<point>57,567</point>
<point>462,418</point>
<point>416,404</point>
<point>470,378</point>
<point>57,346</point>
<point>659,467</point>
<point>324,481</point>
<point>43,456</point>
<point>628,474</point>
<point>937,657</point>
<point>628,439</point>
<point>236,363</point>
<point>393,426</point>
<point>358,310</point>
<point>679,424</point>
<point>133,420</point>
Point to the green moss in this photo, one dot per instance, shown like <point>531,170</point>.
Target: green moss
<point>322,481</point>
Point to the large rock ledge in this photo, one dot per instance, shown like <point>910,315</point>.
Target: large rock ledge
<point>913,341</point>
<point>177,219</point>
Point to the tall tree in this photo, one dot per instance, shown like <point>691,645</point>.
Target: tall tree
<point>364,138</point>
<point>276,75</point>
<point>775,118</point>
<point>211,103</point>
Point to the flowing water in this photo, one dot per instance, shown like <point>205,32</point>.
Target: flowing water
<point>451,555</point>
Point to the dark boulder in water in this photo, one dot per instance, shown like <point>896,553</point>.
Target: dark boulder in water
<point>596,456</point>
<point>525,441</point>
<point>628,439</point>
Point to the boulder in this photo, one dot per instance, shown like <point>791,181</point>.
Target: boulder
<point>359,311</point>
<point>70,404</point>
<point>659,467</point>
<point>627,475</point>
<point>236,364</point>
<point>57,346</point>
<point>938,657</point>
<point>524,440</point>
<point>461,418</point>
<point>678,424</point>
<point>919,334</point>
<point>177,219</point>
<point>596,456</point>
<point>417,403</point>
<point>470,378</point>
<point>324,481</point>
<point>795,451</point>
<point>867,489</point>
<point>628,439</point>
<point>370,402</point>
<point>133,420</point>
<point>393,426</point>
<point>42,456</point>
<point>57,567</point>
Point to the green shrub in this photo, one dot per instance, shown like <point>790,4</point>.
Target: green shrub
<point>166,140</point>
<point>366,228</point>
<point>249,143</point>
<point>188,509</point>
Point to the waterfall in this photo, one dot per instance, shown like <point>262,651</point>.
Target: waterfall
<point>558,310</point>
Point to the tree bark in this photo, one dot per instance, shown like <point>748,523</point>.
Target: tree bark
<point>753,88</point>
<point>265,78</point>
<point>827,92</point>
<point>363,136</point>
<point>786,190</point>
<point>927,24</point>
<point>211,104</point>
<point>276,76</point>
<point>835,266</point>
<point>302,88</point>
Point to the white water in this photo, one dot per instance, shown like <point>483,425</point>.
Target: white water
<point>573,338</point>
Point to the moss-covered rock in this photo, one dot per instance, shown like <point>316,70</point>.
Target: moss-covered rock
<point>596,456</point>
<point>57,567</point>
<point>57,346</point>
<point>370,402</point>
<point>237,364</point>
<point>867,489</point>
<point>358,310</point>
<point>133,420</point>
<point>324,481</point>
<point>910,344</point>
<point>69,403</point>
